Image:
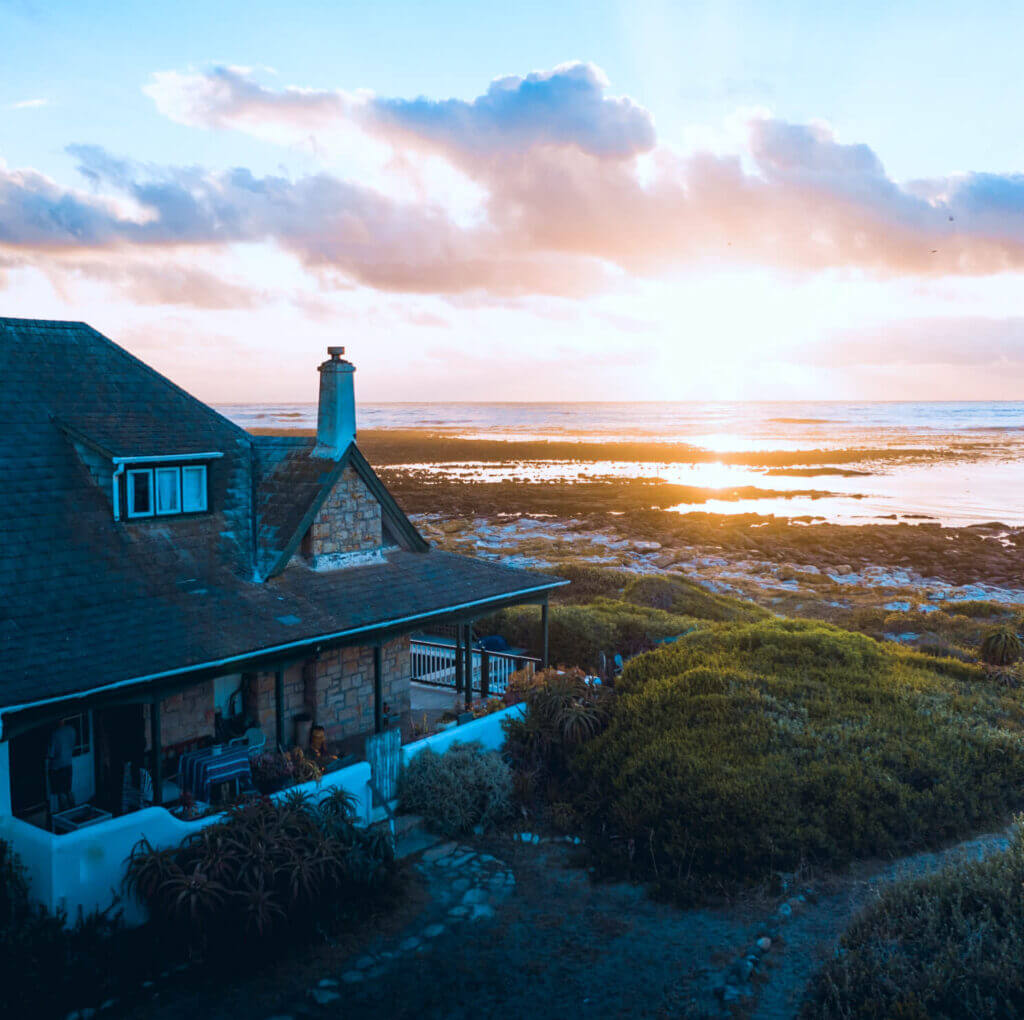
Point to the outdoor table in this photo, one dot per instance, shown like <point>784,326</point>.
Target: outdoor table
<point>218,764</point>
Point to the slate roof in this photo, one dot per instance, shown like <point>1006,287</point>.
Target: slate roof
<point>87,602</point>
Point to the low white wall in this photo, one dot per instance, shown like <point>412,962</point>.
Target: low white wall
<point>84,869</point>
<point>486,730</point>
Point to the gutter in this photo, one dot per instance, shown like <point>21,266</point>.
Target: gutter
<point>289,646</point>
<point>162,457</point>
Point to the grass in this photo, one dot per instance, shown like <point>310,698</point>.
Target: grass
<point>937,948</point>
<point>746,749</point>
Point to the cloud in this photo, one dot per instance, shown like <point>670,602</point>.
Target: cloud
<point>964,341</point>
<point>558,160</point>
<point>564,106</point>
<point>577,193</point>
<point>329,224</point>
<point>28,104</point>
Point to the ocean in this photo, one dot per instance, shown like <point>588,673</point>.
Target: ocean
<point>956,463</point>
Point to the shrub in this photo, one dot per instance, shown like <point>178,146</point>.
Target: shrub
<point>563,711</point>
<point>589,582</point>
<point>268,866</point>
<point>943,947</point>
<point>684,598</point>
<point>747,748</point>
<point>458,790</point>
<point>579,635</point>
<point>1000,647</point>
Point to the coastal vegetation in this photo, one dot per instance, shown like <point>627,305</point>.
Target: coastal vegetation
<point>743,750</point>
<point>459,790</point>
<point>298,865</point>
<point>623,615</point>
<point>943,947</point>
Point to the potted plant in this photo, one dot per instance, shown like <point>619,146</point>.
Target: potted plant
<point>271,771</point>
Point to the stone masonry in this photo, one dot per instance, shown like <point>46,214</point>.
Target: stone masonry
<point>187,715</point>
<point>348,522</point>
<point>336,688</point>
<point>339,687</point>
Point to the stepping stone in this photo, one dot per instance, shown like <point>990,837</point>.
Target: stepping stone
<point>433,930</point>
<point>474,895</point>
<point>481,910</point>
<point>410,943</point>
<point>323,996</point>
<point>439,851</point>
<point>460,884</point>
<point>328,983</point>
<point>351,977</point>
<point>458,911</point>
<point>365,961</point>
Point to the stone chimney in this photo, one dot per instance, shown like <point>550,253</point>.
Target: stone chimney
<point>336,417</point>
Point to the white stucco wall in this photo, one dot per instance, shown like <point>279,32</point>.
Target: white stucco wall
<point>84,869</point>
<point>5,778</point>
<point>486,730</point>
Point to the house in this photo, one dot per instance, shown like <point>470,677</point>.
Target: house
<point>163,572</point>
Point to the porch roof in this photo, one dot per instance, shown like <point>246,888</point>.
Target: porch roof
<point>182,630</point>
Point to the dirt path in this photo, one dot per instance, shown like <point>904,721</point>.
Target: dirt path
<point>517,931</point>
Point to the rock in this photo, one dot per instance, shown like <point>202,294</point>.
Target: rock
<point>351,977</point>
<point>433,930</point>
<point>474,896</point>
<point>408,944</point>
<point>764,943</point>
<point>481,910</point>
<point>363,962</point>
<point>458,912</point>
<point>644,546</point>
<point>785,910</point>
<point>323,996</point>
<point>327,983</point>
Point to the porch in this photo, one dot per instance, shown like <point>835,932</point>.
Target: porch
<point>200,744</point>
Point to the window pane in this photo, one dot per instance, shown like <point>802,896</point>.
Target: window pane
<point>139,498</point>
<point>168,499</point>
<point>193,488</point>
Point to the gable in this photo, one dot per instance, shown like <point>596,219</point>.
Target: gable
<point>321,512</point>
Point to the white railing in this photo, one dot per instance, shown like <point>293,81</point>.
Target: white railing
<point>433,662</point>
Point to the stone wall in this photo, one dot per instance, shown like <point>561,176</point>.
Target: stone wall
<point>187,715</point>
<point>336,688</point>
<point>339,687</point>
<point>348,522</point>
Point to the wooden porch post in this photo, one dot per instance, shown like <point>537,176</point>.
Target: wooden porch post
<point>469,664</point>
<point>544,634</point>
<point>157,742</point>
<point>458,658</point>
<point>378,690</point>
<point>485,674</point>
<point>279,706</point>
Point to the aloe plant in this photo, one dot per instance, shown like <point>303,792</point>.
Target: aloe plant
<point>1000,647</point>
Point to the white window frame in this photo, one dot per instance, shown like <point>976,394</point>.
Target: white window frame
<point>131,492</point>
<point>202,489</point>
<point>176,472</point>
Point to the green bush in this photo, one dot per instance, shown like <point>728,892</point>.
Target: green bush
<point>684,598</point>
<point>747,748</point>
<point>979,609</point>
<point>458,790</point>
<point>588,582</point>
<point>943,947</point>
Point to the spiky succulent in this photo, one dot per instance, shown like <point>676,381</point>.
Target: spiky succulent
<point>1000,647</point>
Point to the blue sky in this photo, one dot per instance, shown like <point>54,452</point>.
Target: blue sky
<point>446,243</point>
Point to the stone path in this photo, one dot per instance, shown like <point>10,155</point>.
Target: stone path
<point>465,885</point>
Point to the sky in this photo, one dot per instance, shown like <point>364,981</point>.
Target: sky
<point>542,201</point>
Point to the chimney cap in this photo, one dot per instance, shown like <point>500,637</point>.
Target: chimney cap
<point>336,352</point>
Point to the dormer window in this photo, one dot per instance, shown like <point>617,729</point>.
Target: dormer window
<point>163,491</point>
